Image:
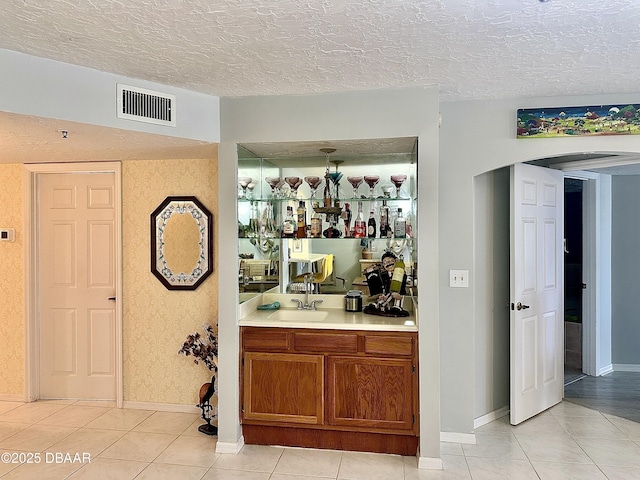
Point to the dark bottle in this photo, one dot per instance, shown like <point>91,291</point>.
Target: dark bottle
<point>302,220</point>
<point>371,226</point>
<point>384,220</point>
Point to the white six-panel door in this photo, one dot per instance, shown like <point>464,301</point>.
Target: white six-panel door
<point>76,260</point>
<point>537,290</point>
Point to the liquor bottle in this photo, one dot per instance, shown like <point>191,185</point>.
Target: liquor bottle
<point>409,227</point>
<point>302,220</point>
<point>384,220</point>
<point>289,224</point>
<point>346,218</point>
<point>316,225</point>
<point>371,226</point>
<point>397,276</point>
<point>400,226</point>
<point>360,227</point>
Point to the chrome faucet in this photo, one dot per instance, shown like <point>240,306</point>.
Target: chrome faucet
<point>306,305</point>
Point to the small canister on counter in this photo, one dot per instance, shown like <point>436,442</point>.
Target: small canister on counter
<point>353,301</point>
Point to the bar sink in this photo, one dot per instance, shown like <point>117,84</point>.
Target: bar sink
<point>290,315</point>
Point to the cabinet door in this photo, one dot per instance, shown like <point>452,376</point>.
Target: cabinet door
<point>371,392</point>
<point>284,387</point>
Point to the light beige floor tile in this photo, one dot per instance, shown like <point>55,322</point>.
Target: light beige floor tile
<point>166,422</point>
<point>193,428</point>
<point>187,450</point>
<point>8,428</point>
<point>454,468</point>
<point>496,468</point>
<point>492,445</point>
<point>614,452</point>
<point>172,472</point>
<point>96,403</point>
<point>309,462</point>
<point>43,471</point>
<point>370,466</point>
<point>553,448</point>
<point>630,428</point>
<point>7,406</point>
<point>36,438</point>
<point>73,416</point>
<point>283,476</point>
<point>109,469</point>
<point>568,409</point>
<point>621,473</point>
<point>447,448</point>
<point>214,474</point>
<point>119,419</point>
<point>89,441</point>
<point>32,412</point>
<point>567,471</point>
<point>252,458</point>
<point>138,446</point>
<point>590,427</point>
<point>501,425</point>
<point>542,423</point>
<point>6,465</point>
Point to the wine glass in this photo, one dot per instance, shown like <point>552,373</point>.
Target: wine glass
<point>335,179</point>
<point>372,181</point>
<point>355,183</point>
<point>250,188</point>
<point>294,183</point>
<point>273,183</point>
<point>244,183</point>
<point>314,182</point>
<point>398,180</point>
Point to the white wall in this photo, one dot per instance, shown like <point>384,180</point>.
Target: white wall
<point>46,88</point>
<point>476,137</point>
<point>340,116</point>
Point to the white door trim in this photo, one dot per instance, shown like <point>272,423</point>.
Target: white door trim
<point>30,174</point>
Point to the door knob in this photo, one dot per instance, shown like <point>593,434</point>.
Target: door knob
<point>521,306</point>
<point>113,299</point>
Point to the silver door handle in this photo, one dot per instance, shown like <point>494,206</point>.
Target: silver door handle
<point>112,299</point>
<point>521,306</point>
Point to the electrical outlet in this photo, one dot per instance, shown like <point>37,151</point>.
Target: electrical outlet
<point>459,278</point>
<point>297,245</point>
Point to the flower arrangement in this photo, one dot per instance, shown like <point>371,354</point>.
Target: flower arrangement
<point>202,348</point>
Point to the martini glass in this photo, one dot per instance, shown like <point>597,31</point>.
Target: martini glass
<point>250,188</point>
<point>273,183</point>
<point>294,183</point>
<point>355,183</point>
<point>244,183</point>
<point>398,180</point>
<point>335,179</point>
<point>314,182</point>
<point>372,181</point>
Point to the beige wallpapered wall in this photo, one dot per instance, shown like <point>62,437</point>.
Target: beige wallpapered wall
<point>12,283</point>
<point>155,320</point>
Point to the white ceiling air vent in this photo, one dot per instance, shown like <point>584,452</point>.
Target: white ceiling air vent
<point>144,105</point>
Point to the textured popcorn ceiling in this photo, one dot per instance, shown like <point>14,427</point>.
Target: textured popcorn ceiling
<point>472,49</point>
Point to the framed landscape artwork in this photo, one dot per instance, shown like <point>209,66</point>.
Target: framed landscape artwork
<point>588,121</point>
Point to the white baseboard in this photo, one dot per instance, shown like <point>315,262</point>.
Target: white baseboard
<point>490,417</point>
<point>606,369</point>
<point>230,447</point>
<point>162,407</point>
<point>6,397</point>
<point>454,437</point>
<point>430,463</point>
<point>626,367</point>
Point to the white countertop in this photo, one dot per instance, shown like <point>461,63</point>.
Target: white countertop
<point>335,318</point>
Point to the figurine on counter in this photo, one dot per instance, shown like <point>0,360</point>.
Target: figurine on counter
<point>387,286</point>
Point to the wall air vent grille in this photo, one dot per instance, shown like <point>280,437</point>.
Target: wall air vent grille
<point>147,106</point>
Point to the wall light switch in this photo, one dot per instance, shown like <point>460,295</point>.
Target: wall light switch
<point>459,278</point>
<point>7,235</point>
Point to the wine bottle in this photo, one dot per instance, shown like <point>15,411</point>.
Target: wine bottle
<point>359,227</point>
<point>288,225</point>
<point>302,220</point>
<point>371,226</point>
<point>397,276</point>
<point>400,226</point>
<point>316,225</point>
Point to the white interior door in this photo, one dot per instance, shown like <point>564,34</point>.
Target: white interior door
<point>76,258</point>
<point>537,290</point>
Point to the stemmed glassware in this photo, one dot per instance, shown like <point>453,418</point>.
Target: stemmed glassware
<point>314,182</point>
<point>273,183</point>
<point>294,183</point>
<point>372,181</point>
<point>244,183</point>
<point>355,183</point>
<point>250,188</point>
<point>398,180</point>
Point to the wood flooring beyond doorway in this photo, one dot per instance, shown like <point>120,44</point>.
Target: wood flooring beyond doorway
<point>617,393</point>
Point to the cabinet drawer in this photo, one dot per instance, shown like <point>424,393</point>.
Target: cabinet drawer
<point>265,339</point>
<point>326,342</point>
<point>388,345</point>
